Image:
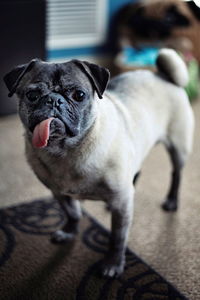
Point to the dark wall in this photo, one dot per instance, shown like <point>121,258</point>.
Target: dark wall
<point>22,31</point>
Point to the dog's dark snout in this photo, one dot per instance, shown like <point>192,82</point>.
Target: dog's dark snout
<point>55,100</point>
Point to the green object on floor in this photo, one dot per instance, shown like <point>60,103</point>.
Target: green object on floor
<point>193,88</point>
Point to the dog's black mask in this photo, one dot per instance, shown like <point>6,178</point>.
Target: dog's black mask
<point>149,27</point>
<point>58,96</point>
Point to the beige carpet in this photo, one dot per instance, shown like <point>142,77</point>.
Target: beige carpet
<point>170,243</point>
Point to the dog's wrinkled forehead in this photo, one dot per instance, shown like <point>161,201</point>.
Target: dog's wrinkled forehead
<point>54,75</point>
<point>74,72</point>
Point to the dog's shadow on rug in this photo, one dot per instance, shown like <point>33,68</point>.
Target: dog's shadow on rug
<point>40,276</point>
<point>166,241</point>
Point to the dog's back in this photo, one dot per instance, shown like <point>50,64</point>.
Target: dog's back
<point>158,104</point>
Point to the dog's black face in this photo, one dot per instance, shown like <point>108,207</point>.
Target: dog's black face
<point>153,28</point>
<point>56,100</point>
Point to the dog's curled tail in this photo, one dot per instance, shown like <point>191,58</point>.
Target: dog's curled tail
<point>171,65</point>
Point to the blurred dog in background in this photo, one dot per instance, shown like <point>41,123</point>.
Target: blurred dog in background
<point>162,23</point>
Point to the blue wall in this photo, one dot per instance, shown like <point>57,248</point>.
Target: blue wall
<point>113,6</point>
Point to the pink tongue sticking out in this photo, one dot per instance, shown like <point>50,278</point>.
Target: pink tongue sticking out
<point>41,133</point>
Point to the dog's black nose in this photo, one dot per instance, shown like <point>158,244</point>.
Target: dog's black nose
<point>55,100</point>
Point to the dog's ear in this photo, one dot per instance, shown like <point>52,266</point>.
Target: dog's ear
<point>194,9</point>
<point>12,79</point>
<point>97,75</point>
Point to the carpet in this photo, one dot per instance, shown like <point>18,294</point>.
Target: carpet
<point>31,267</point>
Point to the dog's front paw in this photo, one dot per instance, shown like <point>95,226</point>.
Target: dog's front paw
<point>61,236</point>
<point>170,205</point>
<point>111,269</point>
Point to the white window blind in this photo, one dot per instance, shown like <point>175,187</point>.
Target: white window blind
<point>72,23</point>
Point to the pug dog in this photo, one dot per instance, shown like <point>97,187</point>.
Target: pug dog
<point>157,23</point>
<point>84,141</point>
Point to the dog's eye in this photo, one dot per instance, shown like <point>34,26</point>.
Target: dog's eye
<point>78,95</point>
<point>33,95</point>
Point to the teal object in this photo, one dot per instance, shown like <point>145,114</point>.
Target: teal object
<point>140,57</point>
<point>146,57</point>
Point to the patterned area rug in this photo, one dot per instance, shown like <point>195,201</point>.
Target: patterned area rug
<point>31,267</point>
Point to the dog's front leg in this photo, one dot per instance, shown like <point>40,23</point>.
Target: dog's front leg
<point>122,212</point>
<point>72,211</point>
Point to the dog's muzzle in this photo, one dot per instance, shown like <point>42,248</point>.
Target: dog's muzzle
<point>55,101</point>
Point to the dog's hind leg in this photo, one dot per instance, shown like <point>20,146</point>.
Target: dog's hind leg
<point>72,211</point>
<point>136,177</point>
<point>179,147</point>
<point>171,202</point>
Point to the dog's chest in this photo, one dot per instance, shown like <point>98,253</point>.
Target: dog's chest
<point>64,177</point>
